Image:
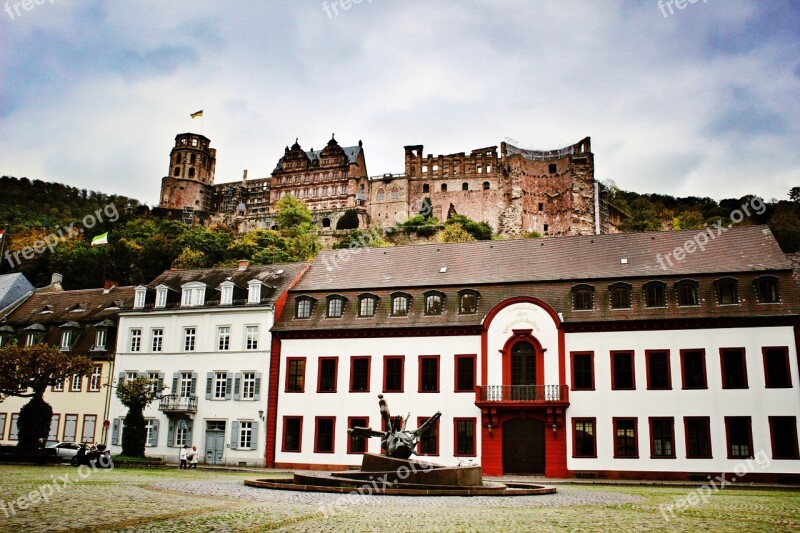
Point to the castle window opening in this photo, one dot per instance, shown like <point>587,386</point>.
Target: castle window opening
<point>178,159</point>
<point>465,186</point>
<point>552,168</point>
<point>541,206</point>
<point>191,172</point>
<point>480,169</point>
<point>379,195</point>
<point>177,171</point>
<point>326,223</point>
<point>424,169</point>
<point>192,159</point>
<point>444,187</point>
<point>395,194</point>
<point>426,188</point>
<point>486,186</point>
<point>545,228</point>
<point>488,168</point>
<point>194,142</point>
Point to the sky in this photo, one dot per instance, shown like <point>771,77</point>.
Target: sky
<point>680,97</point>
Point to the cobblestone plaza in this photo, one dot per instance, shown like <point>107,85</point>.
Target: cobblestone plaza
<point>175,500</point>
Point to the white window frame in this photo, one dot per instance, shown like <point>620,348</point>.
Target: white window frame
<point>161,296</point>
<point>248,386</point>
<point>251,338</point>
<point>101,338</point>
<point>77,379</point>
<point>154,379</point>
<point>95,378</point>
<point>157,334</point>
<point>185,385</point>
<point>189,339</point>
<point>245,435</point>
<point>136,340</point>
<point>220,386</point>
<point>148,427</point>
<point>254,292</point>
<point>30,339</point>
<point>141,298</point>
<point>66,339</point>
<point>226,296</point>
<point>223,338</point>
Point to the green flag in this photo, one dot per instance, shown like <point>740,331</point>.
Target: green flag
<point>100,239</point>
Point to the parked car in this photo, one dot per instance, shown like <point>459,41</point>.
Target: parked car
<point>65,450</point>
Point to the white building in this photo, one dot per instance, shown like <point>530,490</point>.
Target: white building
<point>204,335</point>
<point>604,356</point>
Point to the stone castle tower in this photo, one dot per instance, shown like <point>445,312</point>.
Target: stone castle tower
<point>189,184</point>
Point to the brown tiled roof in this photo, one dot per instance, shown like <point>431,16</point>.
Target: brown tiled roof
<point>738,249</point>
<point>84,307</point>
<point>276,279</point>
<point>547,270</point>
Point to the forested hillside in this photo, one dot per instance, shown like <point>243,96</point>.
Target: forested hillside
<point>140,245</point>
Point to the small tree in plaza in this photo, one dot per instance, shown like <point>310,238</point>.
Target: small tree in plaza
<point>136,394</point>
<point>27,372</point>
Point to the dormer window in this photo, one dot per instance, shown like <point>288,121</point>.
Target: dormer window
<point>583,297</point>
<point>46,309</point>
<point>767,290</point>
<point>100,339</point>
<point>366,305</point>
<point>303,307</point>
<point>6,334</point>
<point>335,306</point>
<point>31,339</point>
<point>194,294</point>
<point>655,294</point>
<point>161,296</point>
<point>468,302</point>
<point>687,293</point>
<point>727,291</point>
<point>620,296</point>
<point>69,333</point>
<point>254,292</point>
<point>434,303</point>
<point>400,304</point>
<point>226,293</point>
<point>140,298</point>
<point>34,333</point>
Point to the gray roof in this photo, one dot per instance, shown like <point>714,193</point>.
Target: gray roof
<point>617,256</point>
<point>352,153</point>
<point>12,288</point>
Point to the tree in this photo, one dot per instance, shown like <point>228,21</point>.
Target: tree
<point>794,194</point>
<point>27,372</point>
<point>189,259</point>
<point>455,233</point>
<point>688,220</point>
<point>348,221</point>
<point>293,216</point>
<point>480,231</point>
<point>135,394</point>
<point>643,217</point>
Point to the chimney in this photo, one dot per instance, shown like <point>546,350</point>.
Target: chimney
<point>109,284</point>
<point>243,264</point>
<point>56,278</point>
<point>244,177</point>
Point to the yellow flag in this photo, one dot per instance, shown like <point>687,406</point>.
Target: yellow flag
<point>197,114</point>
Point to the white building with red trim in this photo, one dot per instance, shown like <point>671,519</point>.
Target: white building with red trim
<point>584,355</point>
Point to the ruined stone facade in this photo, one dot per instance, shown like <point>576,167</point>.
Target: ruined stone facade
<point>516,191</point>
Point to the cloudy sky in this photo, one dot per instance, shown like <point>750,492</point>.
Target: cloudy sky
<point>703,100</point>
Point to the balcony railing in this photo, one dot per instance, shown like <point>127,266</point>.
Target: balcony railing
<point>523,393</point>
<point>174,403</point>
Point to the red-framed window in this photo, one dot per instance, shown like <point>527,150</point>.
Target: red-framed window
<point>75,383</point>
<point>693,369</point>
<point>88,430</point>
<point>584,437</point>
<point>464,431</point>
<point>295,374</point>
<point>464,378</point>
<point>626,438</point>
<point>324,433</point>
<point>659,373</point>
<point>428,373</point>
<point>292,434</point>
<point>662,437</point>
<point>777,373</point>
<point>739,434</point>
<point>357,445</point>
<point>360,373</point>
<point>429,443</point>
<point>70,431</point>
<point>393,369</point>
<point>327,374</point>
<point>623,372</point>
<point>783,436</point>
<point>733,363</point>
<point>697,431</point>
<point>582,364</point>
